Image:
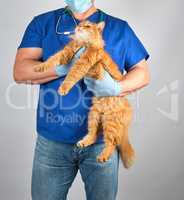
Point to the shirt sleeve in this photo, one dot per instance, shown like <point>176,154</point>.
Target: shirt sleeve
<point>135,51</point>
<point>32,36</point>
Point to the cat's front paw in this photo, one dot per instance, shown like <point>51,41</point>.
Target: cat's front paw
<point>63,90</point>
<point>41,67</point>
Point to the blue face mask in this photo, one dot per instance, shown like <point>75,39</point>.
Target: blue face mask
<point>79,6</point>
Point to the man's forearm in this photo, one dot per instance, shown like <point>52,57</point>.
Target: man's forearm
<point>135,79</point>
<point>38,81</point>
<point>25,73</point>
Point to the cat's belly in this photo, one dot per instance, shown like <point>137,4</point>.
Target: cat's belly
<point>107,105</point>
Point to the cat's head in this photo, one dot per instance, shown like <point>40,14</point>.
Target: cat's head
<point>88,33</point>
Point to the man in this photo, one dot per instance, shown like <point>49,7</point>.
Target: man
<point>62,120</point>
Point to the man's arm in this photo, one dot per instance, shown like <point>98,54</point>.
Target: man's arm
<point>25,61</point>
<point>136,78</point>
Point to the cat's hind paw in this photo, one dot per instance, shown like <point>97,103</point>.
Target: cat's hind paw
<point>83,143</point>
<point>102,158</point>
<point>80,144</point>
<point>86,141</point>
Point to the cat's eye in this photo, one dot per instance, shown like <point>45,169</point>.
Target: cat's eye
<point>87,26</point>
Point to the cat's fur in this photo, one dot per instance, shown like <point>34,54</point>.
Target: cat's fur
<point>112,114</point>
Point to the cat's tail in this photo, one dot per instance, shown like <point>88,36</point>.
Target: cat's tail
<point>126,150</point>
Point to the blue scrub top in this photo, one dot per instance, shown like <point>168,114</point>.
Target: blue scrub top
<point>64,118</point>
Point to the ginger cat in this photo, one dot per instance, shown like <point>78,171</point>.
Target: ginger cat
<point>114,113</point>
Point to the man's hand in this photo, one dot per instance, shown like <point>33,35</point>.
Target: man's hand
<point>134,79</point>
<point>105,87</point>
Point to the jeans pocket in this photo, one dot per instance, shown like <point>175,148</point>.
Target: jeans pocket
<point>43,145</point>
<point>42,139</point>
<point>45,150</point>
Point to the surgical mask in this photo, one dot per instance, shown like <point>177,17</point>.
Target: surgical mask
<point>79,6</point>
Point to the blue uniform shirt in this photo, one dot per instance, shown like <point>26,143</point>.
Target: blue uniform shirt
<point>64,118</point>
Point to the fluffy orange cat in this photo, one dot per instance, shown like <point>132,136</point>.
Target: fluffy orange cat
<point>112,114</point>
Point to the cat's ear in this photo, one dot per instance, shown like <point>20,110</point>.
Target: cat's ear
<point>101,26</point>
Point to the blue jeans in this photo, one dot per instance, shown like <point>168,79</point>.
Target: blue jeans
<point>56,164</point>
